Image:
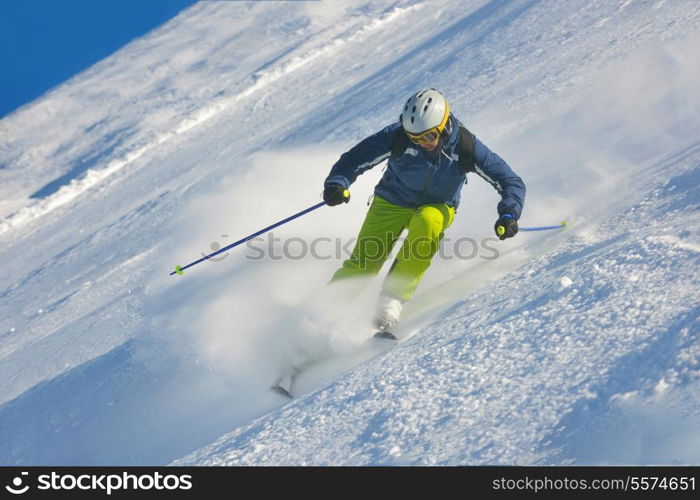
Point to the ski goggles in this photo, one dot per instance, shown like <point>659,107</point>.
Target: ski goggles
<point>432,134</point>
<point>427,137</point>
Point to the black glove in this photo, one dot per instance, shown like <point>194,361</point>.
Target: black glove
<point>335,194</point>
<point>506,227</point>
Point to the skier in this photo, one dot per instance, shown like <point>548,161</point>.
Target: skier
<point>429,154</point>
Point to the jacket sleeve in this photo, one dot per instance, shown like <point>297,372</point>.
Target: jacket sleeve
<point>368,153</point>
<point>496,172</point>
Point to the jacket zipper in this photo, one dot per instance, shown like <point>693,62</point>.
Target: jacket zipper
<point>433,170</point>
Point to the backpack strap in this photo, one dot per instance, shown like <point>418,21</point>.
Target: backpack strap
<point>399,143</point>
<point>465,148</point>
<point>465,151</point>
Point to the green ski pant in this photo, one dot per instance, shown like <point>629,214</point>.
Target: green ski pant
<point>381,229</point>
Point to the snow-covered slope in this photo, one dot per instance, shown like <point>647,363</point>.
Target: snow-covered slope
<point>571,347</point>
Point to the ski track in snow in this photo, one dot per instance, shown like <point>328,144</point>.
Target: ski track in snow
<point>261,79</point>
<point>572,347</point>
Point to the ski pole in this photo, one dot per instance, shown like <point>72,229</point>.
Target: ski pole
<point>179,269</point>
<point>544,228</point>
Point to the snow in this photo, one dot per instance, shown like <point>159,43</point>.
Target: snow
<point>565,282</point>
<point>576,346</point>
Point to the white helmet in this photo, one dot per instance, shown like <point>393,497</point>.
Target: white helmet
<point>425,110</point>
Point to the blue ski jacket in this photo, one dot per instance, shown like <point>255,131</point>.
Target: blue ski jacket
<point>417,177</point>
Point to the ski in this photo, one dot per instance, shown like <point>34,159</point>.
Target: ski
<point>281,390</point>
<point>385,334</point>
<point>284,384</point>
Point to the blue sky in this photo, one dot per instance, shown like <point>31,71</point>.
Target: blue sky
<point>45,42</point>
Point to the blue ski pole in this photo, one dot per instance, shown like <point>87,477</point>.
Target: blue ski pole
<point>179,269</point>
<point>543,228</point>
